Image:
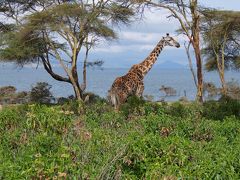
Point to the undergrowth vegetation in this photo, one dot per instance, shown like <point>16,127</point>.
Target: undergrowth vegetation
<point>142,141</point>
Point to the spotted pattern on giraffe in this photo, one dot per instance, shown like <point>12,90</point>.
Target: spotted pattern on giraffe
<point>132,82</point>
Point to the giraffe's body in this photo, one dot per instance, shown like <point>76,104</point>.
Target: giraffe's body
<point>132,82</point>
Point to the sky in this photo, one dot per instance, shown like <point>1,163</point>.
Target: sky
<point>135,42</point>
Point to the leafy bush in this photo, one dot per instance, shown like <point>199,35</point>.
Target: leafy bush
<point>233,90</point>
<point>7,90</point>
<point>183,110</point>
<point>219,110</point>
<point>22,94</point>
<point>41,93</point>
<point>89,97</point>
<point>133,105</point>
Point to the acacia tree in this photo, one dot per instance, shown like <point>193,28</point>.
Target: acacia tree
<point>56,32</point>
<point>187,12</point>
<point>221,32</point>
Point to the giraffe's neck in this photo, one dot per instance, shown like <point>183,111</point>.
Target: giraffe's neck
<point>152,58</point>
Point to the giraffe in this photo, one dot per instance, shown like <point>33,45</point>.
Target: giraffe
<point>132,82</point>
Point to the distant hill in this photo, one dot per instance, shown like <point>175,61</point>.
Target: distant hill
<point>170,65</point>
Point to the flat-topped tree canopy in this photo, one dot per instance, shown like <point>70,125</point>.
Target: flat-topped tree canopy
<point>56,31</point>
<point>70,21</point>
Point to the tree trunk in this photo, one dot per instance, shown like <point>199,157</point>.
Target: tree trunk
<point>222,73</point>
<point>77,91</point>
<point>224,86</point>
<point>199,74</point>
<point>84,85</point>
<point>74,81</point>
<point>196,46</point>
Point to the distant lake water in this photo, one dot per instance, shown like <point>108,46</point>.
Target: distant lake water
<point>99,81</point>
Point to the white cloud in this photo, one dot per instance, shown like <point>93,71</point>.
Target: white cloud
<point>158,17</point>
<point>110,49</point>
<point>128,48</point>
<point>144,37</point>
<point>139,36</point>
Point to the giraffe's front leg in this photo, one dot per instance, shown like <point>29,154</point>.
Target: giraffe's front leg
<point>140,89</point>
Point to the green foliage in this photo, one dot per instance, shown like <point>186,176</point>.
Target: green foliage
<point>22,47</point>
<point>221,33</point>
<point>41,93</point>
<point>38,141</point>
<point>233,89</point>
<point>219,110</point>
<point>35,36</point>
<point>184,110</point>
<point>92,98</point>
<point>133,105</point>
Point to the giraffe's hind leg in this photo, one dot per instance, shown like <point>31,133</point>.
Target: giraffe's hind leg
<point>121,99</point>
<point>117,97</point>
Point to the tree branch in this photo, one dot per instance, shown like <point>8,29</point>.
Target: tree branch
<point>187,48</point>
<point>48,68</point>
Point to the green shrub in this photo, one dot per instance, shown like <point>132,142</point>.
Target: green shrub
<point>183,110</point>
<point>41,93</point>
<point>134,105</point>
<point>7,91</point>
<point>93,98</point>
<point>221,109</point>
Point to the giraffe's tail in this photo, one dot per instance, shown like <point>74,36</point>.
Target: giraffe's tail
<point>113,98</point>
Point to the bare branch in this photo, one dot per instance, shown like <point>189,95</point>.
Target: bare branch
<point>187,48</point>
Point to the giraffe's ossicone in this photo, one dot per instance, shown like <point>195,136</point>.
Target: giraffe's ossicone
<point>132,82</point>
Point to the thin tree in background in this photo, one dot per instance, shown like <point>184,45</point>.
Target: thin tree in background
<point>188,15</point>
<point>221,32</point>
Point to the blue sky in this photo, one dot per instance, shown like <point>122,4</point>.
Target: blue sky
<point>136,41</point>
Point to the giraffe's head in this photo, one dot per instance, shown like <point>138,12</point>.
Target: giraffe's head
<point>169,41</point>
